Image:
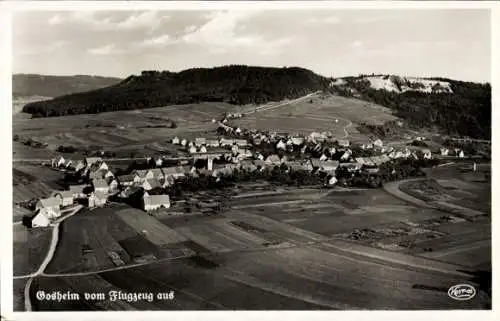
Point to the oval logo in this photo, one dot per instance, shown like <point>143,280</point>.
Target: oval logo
<point>462,292</point>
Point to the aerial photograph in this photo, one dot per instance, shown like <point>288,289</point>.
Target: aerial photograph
<point>251,159</point>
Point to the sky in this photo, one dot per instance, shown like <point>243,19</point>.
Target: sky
<point>453,43</point>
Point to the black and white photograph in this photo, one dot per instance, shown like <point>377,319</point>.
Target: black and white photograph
<point>251,158</point>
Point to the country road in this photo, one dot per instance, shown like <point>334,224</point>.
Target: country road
<point>50,254</point>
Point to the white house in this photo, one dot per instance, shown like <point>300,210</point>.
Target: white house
<point>281,145</point>
<point>100,185</point>
<point>97,199</point>
<point>66,197</point>
<point>50,206</point>
<point>200,141</point>
<point>58,161</point>
<point>113,185</point>
<point>213,143</point>
<point>150,184</point>
<point>40,220</point>
<point>176,140</point>
<point>343,142</point>
<point>378,143</point>
<point>273,160</point>
<point>332,180</point>
<point>330,166</point>
<point>323,158</point>
<point>159,161</point>
<point>346,155</point>
<point>154,202</point>
<point>203,149</point>
<point>184,142</point>
<point>192,150</point>
<point>444,151</point>
<point>169,181</point>
<point>226,142</point>
<point>427,154</point>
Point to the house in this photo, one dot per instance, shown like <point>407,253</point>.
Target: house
<point>346,156</point>
<point>97,199</point>
<point>461,154</point>
<point>176,140</point>
<point>281,145</point>
<point>66,197</point>
<point>241,142</point>
<point>273,160</point>
<point>238,130</point>
<point>80,165</point>
<point>200,141</point>
<point>174,171</point>
<point>89,161</point>
<point>184,142</point>
<point>77,191</point>
<point>444,151</point>
<point>226,142</point>
<point>100,185</point>
<point>213,143</point>
<point>68,163</point>
<point>426,154</point>
<point>50,206</point>
<point>192,150</point>
<point>40,219</point>
<point>323,157</point>
<point>140,175</point>
<point>154,202</point>
<point>58,161</point>
<point>126,180</point>
<point>351,166</point>
<point>159,161</point>
<point>129,191</point>
<point>169,181</point>
<point>113,185</point>
<point>299,166</point>
<point>155,173</point>
<point>297,141</point>
<point>151,183</point>
<point>329,166</point>
<point>378,143</point>
<point>343,142</point>
<point>203,149</point>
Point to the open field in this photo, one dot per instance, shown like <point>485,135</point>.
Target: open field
<point>149,227</point>
<point>30,248</point>
<point>317,113</point>
<point>34,181</point>
<point>309,277</point>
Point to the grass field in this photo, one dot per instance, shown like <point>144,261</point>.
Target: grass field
<point>31,181</point>
<point>318,113</point>
<point>29,248</point>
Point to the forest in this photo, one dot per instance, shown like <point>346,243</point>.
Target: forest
<point>233,84</point>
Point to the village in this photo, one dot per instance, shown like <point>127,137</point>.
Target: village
<point>328,161</point>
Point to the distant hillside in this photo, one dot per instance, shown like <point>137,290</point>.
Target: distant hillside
<point>232,84</point>
<point>454,107</point>
<point>28,85</point>
<point>450,106</point>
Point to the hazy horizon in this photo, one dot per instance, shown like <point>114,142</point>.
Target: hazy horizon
<point>333,43</point>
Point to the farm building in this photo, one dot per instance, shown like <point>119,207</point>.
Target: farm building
<point>51,206</point>
<point>40,220</point>
<point>100,185</point>
<point>126,180</point>
<point>154,202</point>
<point>200,141</point>
<point>97,199</point>
<point>78,191</point>
<point>176,140</point>
<point>151,183</point>
<point>66,197</point>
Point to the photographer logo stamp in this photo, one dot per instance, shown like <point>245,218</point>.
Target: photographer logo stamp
<point>462,292</point>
